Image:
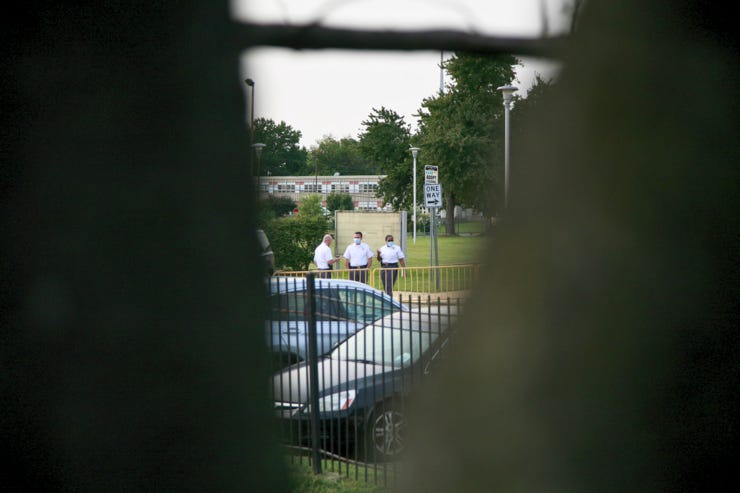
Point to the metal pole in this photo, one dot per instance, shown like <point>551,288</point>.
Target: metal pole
<point>441,72</point>
<point>414,152</point>
<point>436,258</point>
<point>258,151</point>
<point>313,375</point>
<point>506,91</point>
<point>431,235</point>
<point>250,83</point>
<point>506,154</point>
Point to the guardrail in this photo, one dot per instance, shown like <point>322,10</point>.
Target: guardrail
<point>449,281</point>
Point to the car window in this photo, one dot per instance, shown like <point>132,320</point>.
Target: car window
<point>329,306</point>
<point>365,307</point>
<point>293,306</point>
<point>288,307</point>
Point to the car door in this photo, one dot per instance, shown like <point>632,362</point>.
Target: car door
<point>287,323</point>
<point>334,318</point>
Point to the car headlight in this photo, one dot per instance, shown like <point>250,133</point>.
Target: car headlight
<point>340,401</point>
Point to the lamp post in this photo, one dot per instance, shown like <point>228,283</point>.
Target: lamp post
<point>250,83</point>
<point>507,92</point>
<point>258,151</point>
<point>414,152</point>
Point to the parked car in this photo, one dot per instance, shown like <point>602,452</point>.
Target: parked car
<point>363,386</point>
<point>342,307</point>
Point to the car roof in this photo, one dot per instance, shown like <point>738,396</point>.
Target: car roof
<point>288,284</point>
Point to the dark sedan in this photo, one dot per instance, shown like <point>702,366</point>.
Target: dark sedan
<point>363,385</point>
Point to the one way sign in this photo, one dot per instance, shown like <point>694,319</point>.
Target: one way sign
<point>432,195</point>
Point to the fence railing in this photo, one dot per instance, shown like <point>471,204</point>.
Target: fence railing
<point>342,402</point>
<point>451,281</point>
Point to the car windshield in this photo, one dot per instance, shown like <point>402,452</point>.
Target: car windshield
<point>332,304</point>
<point>385,345</point>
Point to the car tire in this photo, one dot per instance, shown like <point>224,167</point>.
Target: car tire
<point>384,436</point>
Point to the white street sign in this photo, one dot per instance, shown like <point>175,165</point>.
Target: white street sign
<point>432,195</point>
<point>430,174</point>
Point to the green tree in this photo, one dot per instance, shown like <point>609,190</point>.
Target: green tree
<point>294,238</point>
<point>310,206</point>
<point>462,129</point>
<point>339,202</point>
<point>338,156</point>
<point>281,156</point>
<point>385,142</point>
<point>273,206</point>
<point>524,107</point>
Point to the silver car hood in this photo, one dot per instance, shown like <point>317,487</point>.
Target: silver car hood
<point>292,384</point>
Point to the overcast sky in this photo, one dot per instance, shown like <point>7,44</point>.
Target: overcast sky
<point>330,92</point>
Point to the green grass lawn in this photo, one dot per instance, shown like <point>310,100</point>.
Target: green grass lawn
<point>464,227</point>
<point>335,479</point>
<point>452,250</point>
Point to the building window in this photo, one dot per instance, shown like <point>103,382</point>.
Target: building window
<point>340,187</point>
<point>312,187</point>
<point>286,187</point>
<point>368,187</point>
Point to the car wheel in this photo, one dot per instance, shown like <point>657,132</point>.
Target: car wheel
<point>385,433</point>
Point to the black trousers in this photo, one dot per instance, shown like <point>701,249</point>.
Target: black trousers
<point>324,273</point>
<point>389,275</point>
<point>358,273</point>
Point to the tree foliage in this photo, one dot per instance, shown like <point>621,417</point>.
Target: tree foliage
<point>385,141</point>
<point>275,206</point>
<point>461,131</point>
<point>339,202</point>
<point>294,238</point>
<point>281,155</point>
<point>338,156</point>
<point>524,107</point>
<point>310,206</point>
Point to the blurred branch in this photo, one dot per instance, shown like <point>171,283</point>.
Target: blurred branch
<point>313,36</point>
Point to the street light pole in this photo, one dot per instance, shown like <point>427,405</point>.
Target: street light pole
<point>414,152</point>
<point>258,151</point>
<point>250,83</point>
<point>507,92</point>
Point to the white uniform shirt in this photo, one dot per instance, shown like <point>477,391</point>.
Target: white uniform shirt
<point>358,255</point>
<point>322,255</point>
<point>391,255</point>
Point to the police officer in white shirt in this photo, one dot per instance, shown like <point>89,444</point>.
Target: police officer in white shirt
<point>323,258</point>
<point>390,256</point>
<point>359,258</point>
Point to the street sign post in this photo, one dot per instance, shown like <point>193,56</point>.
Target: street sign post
<point>432,195</point>
<point>432,200</point>
<point>431,174</point>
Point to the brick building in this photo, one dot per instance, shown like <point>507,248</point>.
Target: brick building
<point>362,188</point>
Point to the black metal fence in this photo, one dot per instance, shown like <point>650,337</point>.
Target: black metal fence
<point>347,360</point>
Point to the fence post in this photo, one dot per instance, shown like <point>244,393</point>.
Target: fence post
<point>313,376</point>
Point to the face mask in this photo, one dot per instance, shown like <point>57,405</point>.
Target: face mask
<point>390,243</point>
<point>357,241</point>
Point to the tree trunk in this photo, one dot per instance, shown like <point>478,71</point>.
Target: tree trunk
<point>450,219</point>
